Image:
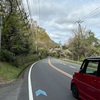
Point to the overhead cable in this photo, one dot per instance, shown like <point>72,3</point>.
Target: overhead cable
<point>92,13</point>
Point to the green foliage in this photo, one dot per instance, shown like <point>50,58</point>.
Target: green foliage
<point>7,56</point>
<point>15,33</point>
<point>44,41</point>
<point>13,37</point>
<point>23,59</point>
<point>19,41</point>
<point>8,72</point>
<point>11,72</point>
<point>84,45</point>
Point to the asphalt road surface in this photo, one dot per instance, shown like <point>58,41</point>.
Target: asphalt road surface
<point>48,79</point>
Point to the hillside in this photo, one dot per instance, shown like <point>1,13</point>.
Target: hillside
<point>44,41</point>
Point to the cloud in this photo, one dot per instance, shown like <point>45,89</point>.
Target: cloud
<point>94,21</point>
<point>54,36</point>
<point>59,16</point>
<point>58,37</point>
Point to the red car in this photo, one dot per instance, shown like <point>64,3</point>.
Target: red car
<point>86,83</point>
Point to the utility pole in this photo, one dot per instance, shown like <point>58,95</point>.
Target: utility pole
<point>60,46</point>
<point>36,29</point>
<point>1,14</point>
<point>0,30</point>
<point>79,27</point>
<point>79,36</point>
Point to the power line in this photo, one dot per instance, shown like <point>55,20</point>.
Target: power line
<point>39,12</point>
<point>29,11</point>
<point>92,13</point>
<point>20,9</point>
<point>36,7</point>
<point>18,6</point>
<point>11,9</point>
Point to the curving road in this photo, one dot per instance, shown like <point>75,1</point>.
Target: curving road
<point>48,79</point>
<point>47,83</point>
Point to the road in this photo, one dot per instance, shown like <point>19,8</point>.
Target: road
<point>48,79</point>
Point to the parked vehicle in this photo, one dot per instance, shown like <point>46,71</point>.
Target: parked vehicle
<point>86,83</point>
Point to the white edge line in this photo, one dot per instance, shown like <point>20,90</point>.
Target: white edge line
<point>29,83</point>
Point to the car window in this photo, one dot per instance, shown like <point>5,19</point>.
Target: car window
<point>92,67</point>
<point>82,69</point>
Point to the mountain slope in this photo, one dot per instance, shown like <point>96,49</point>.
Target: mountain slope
<point>44,41</point>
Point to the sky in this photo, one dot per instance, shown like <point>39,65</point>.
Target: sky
<point>58,17</point>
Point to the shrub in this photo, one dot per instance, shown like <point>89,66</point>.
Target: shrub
<point>7,56</point>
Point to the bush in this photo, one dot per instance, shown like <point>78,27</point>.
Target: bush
<point>24,59</point>
<point>7,56</point>
<point>18,60</point>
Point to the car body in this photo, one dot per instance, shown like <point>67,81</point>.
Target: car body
<point>86,83</point>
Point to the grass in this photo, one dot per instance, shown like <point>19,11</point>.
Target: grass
<point>8,72</point>
<point>72,61</point>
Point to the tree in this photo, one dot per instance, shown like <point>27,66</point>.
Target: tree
<point>84,44</point>
<point>15,31</point>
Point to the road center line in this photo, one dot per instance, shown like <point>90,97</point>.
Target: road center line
<point>59,70</point>
<point>30,84</point>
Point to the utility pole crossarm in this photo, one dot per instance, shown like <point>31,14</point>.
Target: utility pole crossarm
<point>79,26</point>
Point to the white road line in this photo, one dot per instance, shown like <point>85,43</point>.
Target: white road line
<point>29,83</point>
<point>64,64</point>
<point>60,62</point>
<point>72,67</point>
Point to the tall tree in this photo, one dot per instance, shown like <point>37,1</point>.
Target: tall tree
<point>84,44</point>
<point>15,31</point>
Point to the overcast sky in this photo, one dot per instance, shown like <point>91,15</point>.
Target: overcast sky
<point>58,17</point>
